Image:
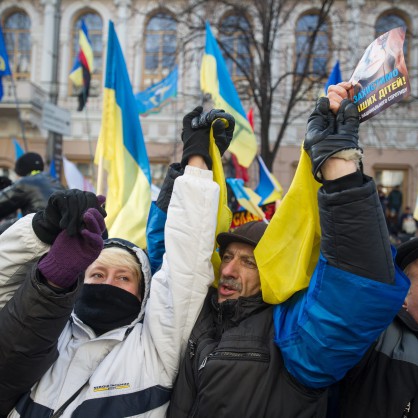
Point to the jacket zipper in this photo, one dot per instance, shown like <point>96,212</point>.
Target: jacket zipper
<point>192,348</point>
<point>233,355</point>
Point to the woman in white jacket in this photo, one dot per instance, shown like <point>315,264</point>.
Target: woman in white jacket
<point>100,370</point>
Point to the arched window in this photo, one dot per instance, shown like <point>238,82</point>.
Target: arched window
<point>390,20</point>
<point>232,34</point>
<point>16,29</point>
<point>94,26</point>
<point>160,40</point>
<point>305,29</point>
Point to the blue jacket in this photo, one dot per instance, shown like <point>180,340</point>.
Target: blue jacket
<point>354,294</point>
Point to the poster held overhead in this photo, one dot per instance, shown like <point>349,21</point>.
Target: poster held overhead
<point>381,78</point>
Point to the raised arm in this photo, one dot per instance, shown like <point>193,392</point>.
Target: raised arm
<point>40,295</point>
<point>355,291</point>
<point>179,288</point>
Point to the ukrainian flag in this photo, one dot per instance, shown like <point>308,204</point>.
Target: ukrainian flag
<point>121,150</point>
<point>268,187</point>
<point>289,249</point>
<point>334,77</point>
<point>246,197</point>
<point>216,81</point>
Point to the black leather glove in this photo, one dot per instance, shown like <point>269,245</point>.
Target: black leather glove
<point>174,170</point>
<point>65,210</point>
<point>327,135</point>
<point>223,136</point>
<point>195,141</point>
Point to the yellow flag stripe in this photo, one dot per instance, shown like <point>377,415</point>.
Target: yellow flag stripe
<point>244,144</point>
<point>289,249</point>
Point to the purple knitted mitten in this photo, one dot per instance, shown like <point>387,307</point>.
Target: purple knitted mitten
<point>70,256</point>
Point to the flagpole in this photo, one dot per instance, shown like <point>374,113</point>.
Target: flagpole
<point>25,144</point>
<point>99,186</point>
<point>93,174</point>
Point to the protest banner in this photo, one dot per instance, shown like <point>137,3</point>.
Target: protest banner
<point>381,78</point>
<point>243,216</point>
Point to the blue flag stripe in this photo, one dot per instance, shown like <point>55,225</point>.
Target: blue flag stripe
<point>335,77</point>
<point>226,86</point>
<point>117,79</point>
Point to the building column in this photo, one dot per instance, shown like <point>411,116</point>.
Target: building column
<point>47,44</point>
<point>122,21</point>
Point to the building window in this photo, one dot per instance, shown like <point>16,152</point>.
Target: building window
<point>233,38</point>
<point>94,26</point>
<point>391,20</point>
<point>18,44</point>
<point>160,40</point>
<point>305,29</point>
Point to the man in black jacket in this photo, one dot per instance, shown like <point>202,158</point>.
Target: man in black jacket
<point>232,366</point>
<point>385,383</point>
<point>31,192</point>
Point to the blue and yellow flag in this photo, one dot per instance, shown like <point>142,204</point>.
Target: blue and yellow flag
<point>216,81</point>
<point>18,149</point>
<point>268,187</point>
<point>4,62</point>
<point>121,148</point>
<point>154,96</point>
<point>246,197</point>
<point>334,78</point>
<point>289,249</point>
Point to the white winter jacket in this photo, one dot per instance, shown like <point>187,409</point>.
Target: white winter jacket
<point>130,371</point>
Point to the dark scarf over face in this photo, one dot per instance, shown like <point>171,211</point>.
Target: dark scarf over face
<point>104,307</point>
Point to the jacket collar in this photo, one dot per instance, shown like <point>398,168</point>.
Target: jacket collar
<point>236,310</point>
<point>408,321</point>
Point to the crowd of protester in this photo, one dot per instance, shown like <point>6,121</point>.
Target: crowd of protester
<point>97,327</point>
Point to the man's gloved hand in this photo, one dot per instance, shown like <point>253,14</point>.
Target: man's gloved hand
<point>223,136</point>
<point>195,141</point>
<point>70,256</point>
<point>65,210</point>
<point>332,136</point>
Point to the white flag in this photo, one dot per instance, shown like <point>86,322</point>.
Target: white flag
<point>74,178</point>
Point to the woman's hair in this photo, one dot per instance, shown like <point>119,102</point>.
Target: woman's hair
<point>117,256</point>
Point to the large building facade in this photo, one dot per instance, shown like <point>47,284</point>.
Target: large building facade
<point>154,40</point>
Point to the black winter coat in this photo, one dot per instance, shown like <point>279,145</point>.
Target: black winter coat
<point>385,383</point>
<point>233,342</point>
<point>32,300</point>
<point>29,194</point>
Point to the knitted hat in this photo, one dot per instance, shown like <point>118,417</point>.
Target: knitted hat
<point>27,163</point>
<point>407,253</point>
<point>249,233</point>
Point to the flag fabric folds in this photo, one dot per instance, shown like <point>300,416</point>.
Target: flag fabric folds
<point>246,197</point>
<point>154,96</point>
<point>121,150</point>
<point>216,81</point>
<point>74,177</point>
<point>53,171</point>
<point>289,249</point>
<point>241,172</point>
<point>4,62</point>
<point>334,78</point>
<point>224,216</point>
<point>83,66</point>
<point>18,149</point>
<point>268,187</point>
